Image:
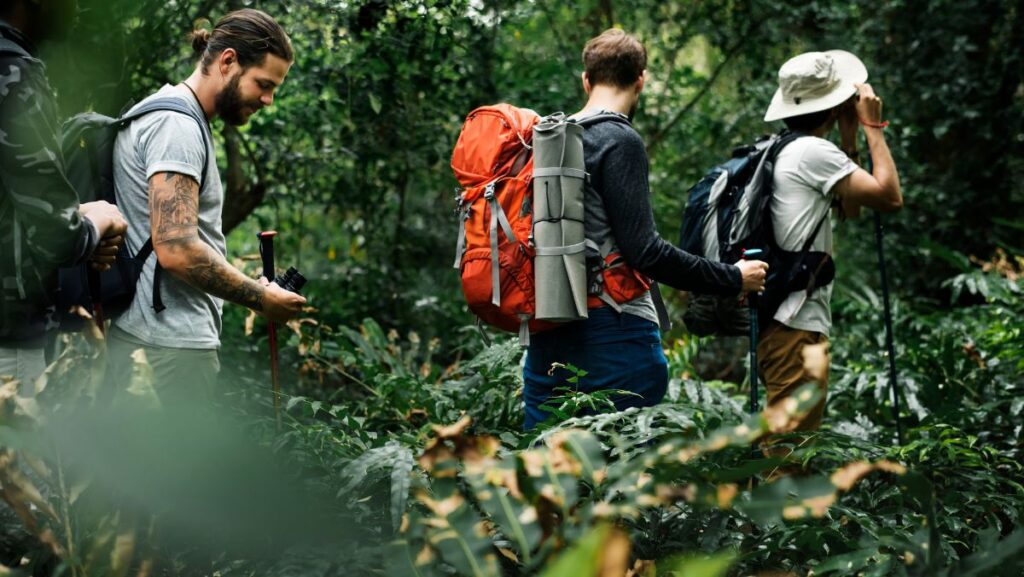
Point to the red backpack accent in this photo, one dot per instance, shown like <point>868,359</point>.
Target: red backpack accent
<point>493,161</point>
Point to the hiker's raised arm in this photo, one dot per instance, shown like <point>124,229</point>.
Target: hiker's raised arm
<point>174,218</point>
<point>879,189</point>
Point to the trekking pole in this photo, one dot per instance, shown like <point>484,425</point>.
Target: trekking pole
<point>889,343</point>
<point>752,302</point>
<point>752,299</point>
<point>267,256</point>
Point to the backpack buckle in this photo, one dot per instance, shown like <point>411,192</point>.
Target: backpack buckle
<point>489,191</point>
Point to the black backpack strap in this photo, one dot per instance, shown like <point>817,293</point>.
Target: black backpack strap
<point>169,104</point>
<point>659,306</point>
<point>814,233</point>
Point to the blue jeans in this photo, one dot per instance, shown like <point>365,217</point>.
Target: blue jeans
<point>618,351</point>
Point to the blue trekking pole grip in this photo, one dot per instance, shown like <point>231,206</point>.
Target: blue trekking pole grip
<point>752,302</point>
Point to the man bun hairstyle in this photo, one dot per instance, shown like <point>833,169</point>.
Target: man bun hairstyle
<point>200,37</point>
<point>251,33</point>
<point>615,58</point>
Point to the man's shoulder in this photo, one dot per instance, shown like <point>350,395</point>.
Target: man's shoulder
<point>810,147</point>
<point>614,133</point>
<point>17,71</point>
<point>164,122</point>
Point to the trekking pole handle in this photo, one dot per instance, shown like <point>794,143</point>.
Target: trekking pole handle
<point>267,252</point>
<point>750,254</point>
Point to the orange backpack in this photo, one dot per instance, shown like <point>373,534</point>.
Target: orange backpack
<point>493,162</point>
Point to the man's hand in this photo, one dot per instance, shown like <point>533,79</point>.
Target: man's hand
<point>106,252</point>
<point>108,219</point>
<point>280,305</point>
<point>848,125</point>
<point>869,104</point>
<point>111,225</point>
<point>753,273</point>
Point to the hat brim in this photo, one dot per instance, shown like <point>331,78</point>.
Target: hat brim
<point>850,71</point>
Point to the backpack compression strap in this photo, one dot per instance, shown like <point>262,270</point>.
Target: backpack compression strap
<point>168,104</point>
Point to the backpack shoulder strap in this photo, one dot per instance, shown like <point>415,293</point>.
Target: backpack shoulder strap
<point>784,138</point>
<point>171,104</point>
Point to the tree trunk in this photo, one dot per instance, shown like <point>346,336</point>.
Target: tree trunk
<point>241,196</point>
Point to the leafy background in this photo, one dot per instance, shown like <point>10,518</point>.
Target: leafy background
<point>351,166</point>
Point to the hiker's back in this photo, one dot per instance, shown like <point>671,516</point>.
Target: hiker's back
<point>169,142</point>
<point>608,147</point>
<point>805,172</point>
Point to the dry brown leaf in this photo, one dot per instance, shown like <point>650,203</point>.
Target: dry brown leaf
<point>425,556</point>
<point>453,430</point>
<point>816,361</point>
<point>643,568</point>
<point>121,554</point>
<point>890,467</point>
<point>779,416</point>
<point>726,494</point>
<point>250,322</point>
<point>444,507</point>
<point>818,506</point>
<point>846,477</point>
<point>971,350</point>
<point>615,554</point>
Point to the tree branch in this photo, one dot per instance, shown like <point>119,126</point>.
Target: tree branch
<point>653,142</point>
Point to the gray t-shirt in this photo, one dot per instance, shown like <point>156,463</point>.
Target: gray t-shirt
<point>806,170</point>
<point>169,142</point>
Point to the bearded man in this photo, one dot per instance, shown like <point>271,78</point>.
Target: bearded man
<point>168,185</point>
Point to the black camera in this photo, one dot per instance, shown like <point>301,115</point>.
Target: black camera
<point>291,280</point>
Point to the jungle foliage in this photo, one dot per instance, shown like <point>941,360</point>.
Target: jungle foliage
<point>400,450</point>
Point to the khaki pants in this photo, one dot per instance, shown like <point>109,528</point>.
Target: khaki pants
<point>25,365</point>
<point>781,366</point>
<point>182,378</point>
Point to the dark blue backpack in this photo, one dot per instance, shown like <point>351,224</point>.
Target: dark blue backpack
<point>88,148</point>
<point>728,211</point>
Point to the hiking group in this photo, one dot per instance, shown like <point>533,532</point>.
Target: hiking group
<point>556,232</point>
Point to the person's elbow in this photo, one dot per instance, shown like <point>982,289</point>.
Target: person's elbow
<point>175,256</point>
<point>893,200</point>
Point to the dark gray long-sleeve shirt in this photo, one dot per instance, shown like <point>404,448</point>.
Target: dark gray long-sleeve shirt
<point>617,162</point>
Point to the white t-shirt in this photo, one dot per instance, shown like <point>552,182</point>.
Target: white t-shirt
<point>805,172</point>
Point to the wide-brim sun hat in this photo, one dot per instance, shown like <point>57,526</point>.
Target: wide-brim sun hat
<point>815,81</point>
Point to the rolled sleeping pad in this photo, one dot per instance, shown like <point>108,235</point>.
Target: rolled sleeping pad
<point>560,267</point>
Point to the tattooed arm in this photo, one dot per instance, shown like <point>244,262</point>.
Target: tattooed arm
<point>174,222</point>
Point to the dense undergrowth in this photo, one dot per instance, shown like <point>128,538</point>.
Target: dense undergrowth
<point>396,456</point>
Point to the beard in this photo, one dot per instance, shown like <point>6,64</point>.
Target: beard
<point>229,104</point>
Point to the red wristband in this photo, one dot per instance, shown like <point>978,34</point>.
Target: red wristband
<point>882,124</point>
